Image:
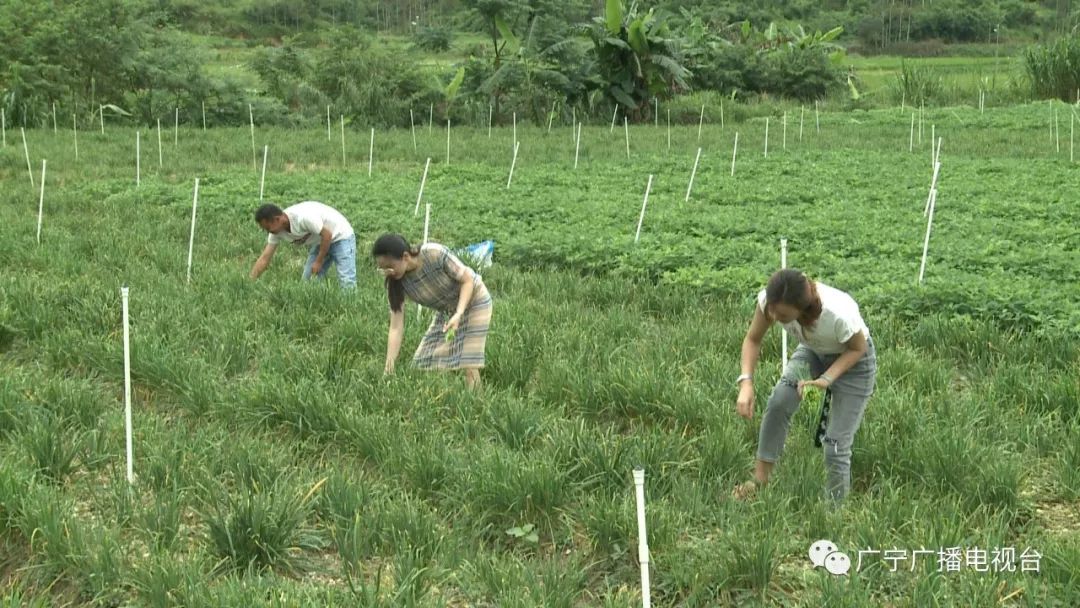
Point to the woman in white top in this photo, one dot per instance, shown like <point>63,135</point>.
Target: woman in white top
<point>835,353</point>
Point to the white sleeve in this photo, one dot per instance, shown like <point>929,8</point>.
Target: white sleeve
<point>272,239</point>
<point>845,329</point>
<point>761,300</point>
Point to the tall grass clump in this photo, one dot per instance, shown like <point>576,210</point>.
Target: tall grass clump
<point>1054,68</point>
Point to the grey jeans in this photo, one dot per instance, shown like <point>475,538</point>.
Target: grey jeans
<point>850,393</point>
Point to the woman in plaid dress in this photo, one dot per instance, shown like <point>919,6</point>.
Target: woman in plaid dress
<point>434,277</point>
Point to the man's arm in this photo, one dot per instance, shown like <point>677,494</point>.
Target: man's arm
<point>324,248</point>
<point>264,260</point>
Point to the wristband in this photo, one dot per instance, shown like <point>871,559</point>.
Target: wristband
<point>826,378</point>
<point>742,377</point>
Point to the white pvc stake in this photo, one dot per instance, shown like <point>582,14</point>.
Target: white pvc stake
<point>613,114</point>
<point>176,129</point>
<point>54,118</point>
<point>693,172</point>
<point>251,120</point>
<point>1051,101</point>
<point>514,143</point>
<point>101,115</point>
<point>911,136</point>
<point>669,130</point>
<point>802,114</point>
<point>817,117</point>
<point>262,179</point>
<point>412,127</point>
<point>641,218</point>
<point>328,136</point>
<point>574,125</point>
<point>1057,131</point>
<point>159,155</point>
<point>783,264</point>
<point>920,123</point>
<point>551,117</point>
<point>447,141</point>
<point>3,126</point>
<point>1072,128</point>
<point>734,151</point>
<point>41,202</point>
<point>937,153</point>
<point>431,117</point>
<point>721,113</point>
<point>577,145</point>
<point>933,151</point>
<point>204,116</point>
<point>903,100</point>
<point>191,239</point>
<point>766,137</point>
<point>371,153</point>
<point>933,188</point>
<point>643,542</point>
<point>512,163</point>
<point>784,140</point>
<point>138,161</point>
<point>127,386</point>
<point>926,241</point>
<point>342,140</point>
<point>700,122</point>
<point>75,132</point>
<point>26,152</point>
<point>626,129</point>
<point>491,111</point>
<point>423,180</point>
<point>427,222</point>
<point>656,112</point>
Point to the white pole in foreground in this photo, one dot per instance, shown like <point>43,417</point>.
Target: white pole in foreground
<point>817,117</point>
<point>101,115</point>
<point>626,129</point>
<point>191,239</point>
<point>491,112</point>
<point>802,115</point>
<point>641,218</point>
<point>721,113</point>
<point>75,131</point>
<point>328,136</point>
<point>127,386</point>
<point>577,145</point>
<point>613,115</point>
<point>3,126</point>
<point>447,141</point>
<point>427,222</point>
<point>926,241</point>
<point>342,140</point>
<point>138,160</point>
<point>643,539</point>
<point>371,153</point>
<point>551,117</point>
<point>1072,128</point>
<point>933,187</point>
<point>1057,132</point>
<point>669,130</point>
<point>692,174</point>
<point>514,143</point>
<point>54,118</point>
<point>251,120</point>
<point>766,137</point>
<point>159,156</point>
<point>262,179</point>
<point>734,151</point>
<point>911,136</point>
<point>204,116</point>
<point>176,129</point>
<point>420,194</point>
<point>700,122</point>
<point>512,163</point>
<point>783,264</point>
<point>412,125</point>
<point>26,152</point>
<point>41,202</point>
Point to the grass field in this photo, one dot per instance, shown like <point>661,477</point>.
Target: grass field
<point>277,466</point>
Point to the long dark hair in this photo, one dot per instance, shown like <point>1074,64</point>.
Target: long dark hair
<point>791,287</point>
<point>393,246</point>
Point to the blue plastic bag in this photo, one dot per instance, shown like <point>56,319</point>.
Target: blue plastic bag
<point>478,255</point>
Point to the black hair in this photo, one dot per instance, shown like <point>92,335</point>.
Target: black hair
<point>267,212</point>
<point>791,287</point>
<point>393,246</point>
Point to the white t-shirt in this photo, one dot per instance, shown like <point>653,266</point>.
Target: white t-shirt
<point>306,221</point>
<point>840,320</point>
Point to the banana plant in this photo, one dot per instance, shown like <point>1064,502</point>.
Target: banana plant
<point>636,58</point>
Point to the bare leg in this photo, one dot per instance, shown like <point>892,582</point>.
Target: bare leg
<point>762,471</point>
<point>472,378</point>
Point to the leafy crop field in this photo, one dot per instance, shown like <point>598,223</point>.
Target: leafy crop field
<point>277,466</point>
